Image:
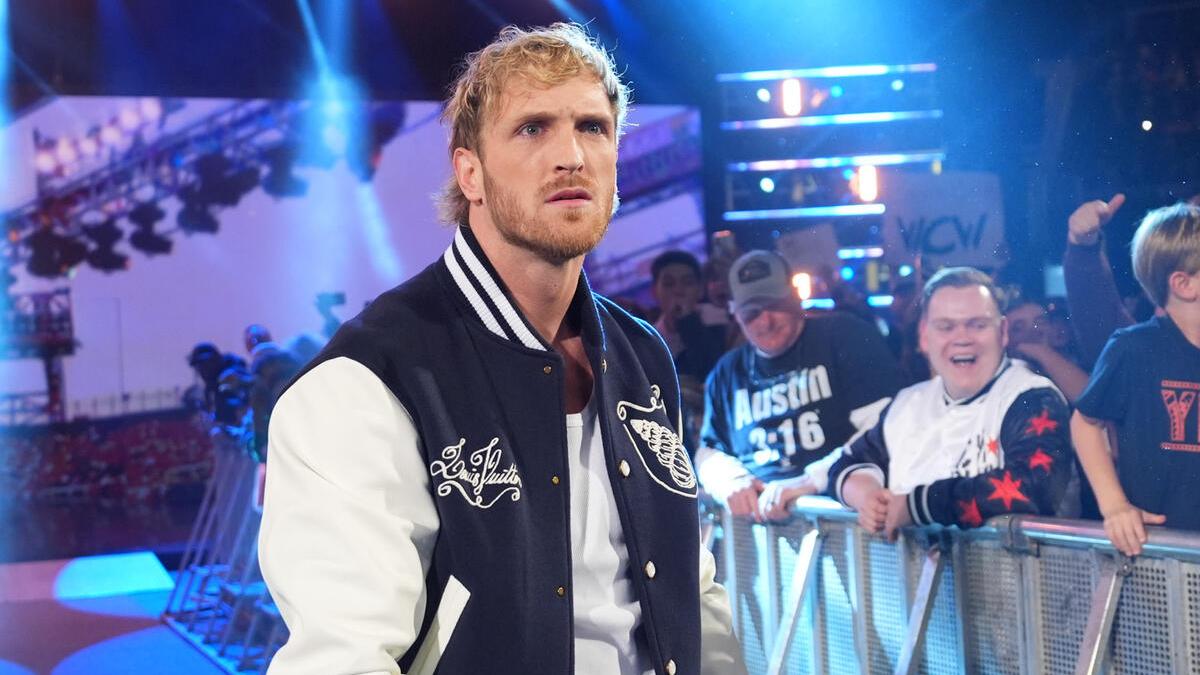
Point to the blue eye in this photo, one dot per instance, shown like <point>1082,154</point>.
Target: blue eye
<point>531,129</point>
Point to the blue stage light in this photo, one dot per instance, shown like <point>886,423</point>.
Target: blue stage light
<point>847,273</point>
<point>828,72</point>
<point>807,212</point>
<point>920,157</point>
<point>826,120</point>
<point>766,185</point>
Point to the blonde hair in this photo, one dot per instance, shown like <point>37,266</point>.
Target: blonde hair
<point>1167,241</point>
<point>548,56</point>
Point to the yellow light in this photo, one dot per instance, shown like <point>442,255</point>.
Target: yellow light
<point>866,183</point>
<point>793,97</point>
<point>803,283</point>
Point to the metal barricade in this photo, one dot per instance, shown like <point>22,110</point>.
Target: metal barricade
<point>220,603</point>
<point>1021,595</point>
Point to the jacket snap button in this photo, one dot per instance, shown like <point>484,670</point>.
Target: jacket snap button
<point>554,480</point>
<point>547,370</point>
<point>623,469</point>
<point>651,570</point>
<point>560,591</point>
<point>671,667</point>
<point>603,366</point>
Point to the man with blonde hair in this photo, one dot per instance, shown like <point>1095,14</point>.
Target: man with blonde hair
<point>1145,385</point>
<point>482,472</point>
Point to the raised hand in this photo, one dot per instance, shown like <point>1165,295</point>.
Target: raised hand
<point>1083,227</point>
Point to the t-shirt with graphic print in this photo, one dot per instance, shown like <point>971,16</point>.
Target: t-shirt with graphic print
<point>778,415</point>
<point>1146,383</point>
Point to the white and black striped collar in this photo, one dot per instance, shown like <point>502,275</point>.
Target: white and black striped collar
<point>486,293</point>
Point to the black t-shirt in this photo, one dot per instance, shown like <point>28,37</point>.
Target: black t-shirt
<point>1146,382</point>
<point>780,414</point>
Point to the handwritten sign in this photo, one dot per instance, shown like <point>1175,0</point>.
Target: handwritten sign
<point>956,218</point>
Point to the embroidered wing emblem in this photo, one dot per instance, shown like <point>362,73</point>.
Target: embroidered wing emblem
<point>668,465</point>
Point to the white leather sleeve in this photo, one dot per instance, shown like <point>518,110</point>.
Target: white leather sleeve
<point>720,652</point>
<point>348,523</point>
<point>717,470</point>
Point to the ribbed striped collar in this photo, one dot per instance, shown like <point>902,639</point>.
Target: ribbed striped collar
<point>486,293</point>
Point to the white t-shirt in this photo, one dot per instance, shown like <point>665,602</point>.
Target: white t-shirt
<point>607,613</point>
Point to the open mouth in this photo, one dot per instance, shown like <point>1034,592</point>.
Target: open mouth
<point>963,359</point>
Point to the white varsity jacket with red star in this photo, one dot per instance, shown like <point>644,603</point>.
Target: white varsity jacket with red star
<point>1007,449</point>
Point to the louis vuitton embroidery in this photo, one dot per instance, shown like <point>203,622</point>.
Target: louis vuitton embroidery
<point>478,478</point>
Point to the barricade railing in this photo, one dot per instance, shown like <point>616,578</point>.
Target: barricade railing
<point>1022,595</point>
<point>220,603</point>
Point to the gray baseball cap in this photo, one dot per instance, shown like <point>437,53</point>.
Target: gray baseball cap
<point>759,277</point>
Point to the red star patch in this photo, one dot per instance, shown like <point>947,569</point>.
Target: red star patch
<point>993,446</point>
<point>969,514</point>
<point>1041,424</point>
<point>1007,490</point>
<point>1041,459</point>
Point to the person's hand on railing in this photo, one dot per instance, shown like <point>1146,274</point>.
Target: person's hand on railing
<point>777,496</point>
<point>897,515</point>
<point>1126,527</point>
<point>873,511</point>
<point>741,497</point>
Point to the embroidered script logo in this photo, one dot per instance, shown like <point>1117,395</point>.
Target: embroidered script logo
<point>476,474</point>
<point>661,442</point>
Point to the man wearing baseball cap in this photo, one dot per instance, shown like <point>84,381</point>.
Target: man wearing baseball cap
<point>777,406</point>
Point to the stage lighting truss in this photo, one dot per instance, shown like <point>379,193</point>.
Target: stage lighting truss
<point>131,163</point>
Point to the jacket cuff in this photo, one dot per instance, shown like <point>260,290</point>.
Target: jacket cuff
<point>918,506</point>
<point>874,470</point>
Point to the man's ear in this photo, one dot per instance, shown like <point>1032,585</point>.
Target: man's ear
<point>468,171</point>
<point>1184,286</point>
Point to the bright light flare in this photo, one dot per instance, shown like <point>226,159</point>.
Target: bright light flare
<point>803,283</point>
<point>865,183</point>
<point>793,97</point>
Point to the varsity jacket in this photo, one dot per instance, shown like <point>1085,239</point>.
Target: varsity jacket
<point>1007,449</point>
<point>487,577</point>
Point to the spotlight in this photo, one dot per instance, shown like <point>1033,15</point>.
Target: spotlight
<point>847,273</point>
<point>802,281</point>
<point>764,95</point>
<point>865,183</point>
<point>65,150</point>
<point>220,183</point>
<point>144,216</point>
<point>836,91</point>
<point>906,270</point>
<point>105,234</point>
<point>280,181</point>
<point>793,98</point>
<point>51,254</point>
<point>107,260</point>
<point>110,134</point>
<point>151,108</point>
<point>129,119</point>
<point>897,85</point>
<point>150,242</point>
<point>767,184</point>
<point>88,146</point>
<point>44,162</point>
<point>1147,125</point>
<point>195,217</point>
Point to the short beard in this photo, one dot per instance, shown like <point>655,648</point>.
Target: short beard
<point>554,245</point>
